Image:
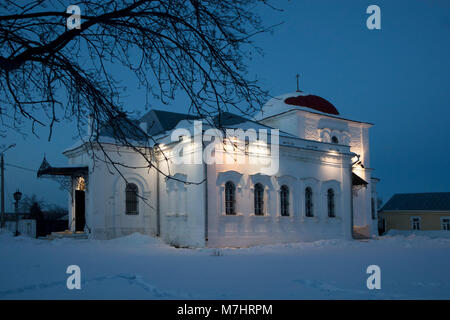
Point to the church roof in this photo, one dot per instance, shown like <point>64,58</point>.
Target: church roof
<point>228,119</point>
<point>358,181</point>
<point>435,201</point>
<point>123,128</point>
<point>159,121</point>
<point>47,170</point>
<point>313,102</point>
<point>296,101</point>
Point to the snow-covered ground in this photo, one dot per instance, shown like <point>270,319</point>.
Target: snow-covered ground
<point>141,267</point>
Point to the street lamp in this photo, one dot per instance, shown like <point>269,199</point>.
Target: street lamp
<point>17,197</point>
<point>2,182</point>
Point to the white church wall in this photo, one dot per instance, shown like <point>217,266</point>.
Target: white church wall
<point>359,142</point>
<point>298,169</point>
<point>366,148</point>
<point>182,206</point>
<point>362,204</point>
<point>321,128</point>
<point>287,122</point>
<point>317,127</point>
<point>298,123</point>
<point>311,131</point>
<point>105,196</point>
<point>110,208</point>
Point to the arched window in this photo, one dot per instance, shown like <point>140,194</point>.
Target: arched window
<point>230,198</point>
<point>131,198</point>
<point>259,199</point>
<point>308,202</point>
<point>330,201</point>
<point>284,200</point>
<point>334,139</point>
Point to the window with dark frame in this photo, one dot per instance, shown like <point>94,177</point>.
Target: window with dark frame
<point>284,200</point>
<point>330,201</point>
<point>131,198</point>
<point>259,199</point>
<point>230,198</point>
<point>415,221</point>
<point>445,223</point>
<point>308,202</point>
<point>334,139</point>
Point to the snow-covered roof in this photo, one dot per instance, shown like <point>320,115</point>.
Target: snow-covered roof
<point>229,120</point>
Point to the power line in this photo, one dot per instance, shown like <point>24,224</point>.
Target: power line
<point>19,167</point>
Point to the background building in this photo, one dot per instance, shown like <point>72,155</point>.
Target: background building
<point>416,211</point>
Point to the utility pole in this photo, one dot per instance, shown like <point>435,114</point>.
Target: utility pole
<point>17,197</point>
<point>2,198</point>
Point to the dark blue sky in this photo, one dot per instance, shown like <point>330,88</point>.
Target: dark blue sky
<point>396,78</point>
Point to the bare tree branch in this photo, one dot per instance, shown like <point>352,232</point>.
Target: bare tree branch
<point>49,73</point>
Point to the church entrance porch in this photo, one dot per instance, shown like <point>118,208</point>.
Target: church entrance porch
<point>360,232</point>
<point>73,179</point>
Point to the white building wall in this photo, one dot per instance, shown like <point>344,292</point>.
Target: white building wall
<point>182,205</point>
<point>298,169</point>
<point>317,127</point>
<point>182,214</point>
<point>105,196</point>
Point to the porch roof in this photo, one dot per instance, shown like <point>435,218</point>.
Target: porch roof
<point>358,181</point>
<point>47,170</point>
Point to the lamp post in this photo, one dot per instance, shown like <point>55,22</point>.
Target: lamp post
<point>2,198</point>
<point>17,197</point>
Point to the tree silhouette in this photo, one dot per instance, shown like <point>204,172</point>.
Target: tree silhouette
<point>49,72</point>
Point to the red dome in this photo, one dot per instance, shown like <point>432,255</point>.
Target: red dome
<point>313,102</point>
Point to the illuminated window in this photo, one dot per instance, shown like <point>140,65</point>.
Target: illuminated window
<point>259,199</point>
<point>445,223</point>
<point>131,198</point>
<point>284,198</point>
<point>308,202</point>
<point>334,139</point>
<point>415,223</point>
<point>230,198</point>
<point>81,184</point>
<point>330,202</point>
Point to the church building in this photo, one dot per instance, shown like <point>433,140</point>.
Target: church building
<point>296,171</point>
